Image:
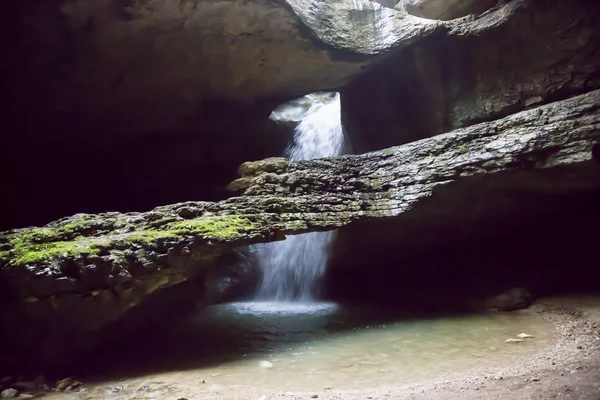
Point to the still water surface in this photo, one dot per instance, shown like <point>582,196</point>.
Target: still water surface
<point>234,347</point>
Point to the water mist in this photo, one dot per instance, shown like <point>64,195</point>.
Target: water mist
<point>292,269</point>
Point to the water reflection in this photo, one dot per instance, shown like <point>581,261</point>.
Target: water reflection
<point>292,346</point>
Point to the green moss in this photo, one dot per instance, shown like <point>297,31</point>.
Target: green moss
<point>42,244</point>
<point>223,227</point>
<point>25,251</point>
<point>463,148</point>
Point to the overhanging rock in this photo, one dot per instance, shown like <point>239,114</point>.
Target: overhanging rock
<point>73,283</point>
<point>126,67</point>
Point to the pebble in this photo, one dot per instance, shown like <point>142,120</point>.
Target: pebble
<point>511,340</point>
<point>9,394</point>
<point>26,396</point>
<point>266,364</point>
<point>525,336</point>
<point>314,396</point>
<point>536,379</point>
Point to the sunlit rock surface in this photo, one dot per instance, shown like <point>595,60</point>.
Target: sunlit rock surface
<point>444,9</point>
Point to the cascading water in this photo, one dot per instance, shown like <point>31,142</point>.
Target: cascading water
<point>292,268</point>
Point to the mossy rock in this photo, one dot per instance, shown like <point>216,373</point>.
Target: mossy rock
<point>39,245</point>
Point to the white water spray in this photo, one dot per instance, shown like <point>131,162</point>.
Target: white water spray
<point>292,269</point>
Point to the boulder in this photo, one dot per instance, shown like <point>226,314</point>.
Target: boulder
<point>510,300</point>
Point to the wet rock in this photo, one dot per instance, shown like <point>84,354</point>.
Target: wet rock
<point>513,340</point>
<point>231,278</point>
<point>510,300</point>
<point>74,385</point>
<point>9,394</point>
<point>26,386</point>
<point>63,384</point>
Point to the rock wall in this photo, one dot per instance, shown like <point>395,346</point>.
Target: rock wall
<point>545,245</point>
<point>125,106</point>
<point>547,51</point>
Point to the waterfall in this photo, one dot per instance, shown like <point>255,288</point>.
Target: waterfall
<point>292,269</point>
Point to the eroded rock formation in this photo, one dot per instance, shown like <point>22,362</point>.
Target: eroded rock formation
<point>546,51</point>
<point>444,9</point>
<point>75,282</point>
<point>140,95</point>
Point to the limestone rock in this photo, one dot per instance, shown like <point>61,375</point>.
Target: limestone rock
<point>444,9</point>
<point>140,95</point>
<point>142,259</point>
<point>146,65</point>
<point>9,394</point>
<point>231,280</point>
<point>430,88</point>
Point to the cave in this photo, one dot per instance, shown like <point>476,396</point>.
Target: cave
<point>340,199</point>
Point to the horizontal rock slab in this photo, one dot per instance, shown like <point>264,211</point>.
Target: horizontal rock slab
<point>68,285</point>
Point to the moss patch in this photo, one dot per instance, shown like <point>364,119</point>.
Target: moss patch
<point>29,253</point>
<point>37,245</point>
<point>220,227</point>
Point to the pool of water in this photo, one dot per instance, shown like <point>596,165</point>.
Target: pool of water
<point>238,347</point>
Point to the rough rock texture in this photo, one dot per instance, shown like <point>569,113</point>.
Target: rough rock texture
<point>160,100</point>
<point>444,9</point>
<point>77,281</point>
<point>117,66</point>
<point>546,51</point>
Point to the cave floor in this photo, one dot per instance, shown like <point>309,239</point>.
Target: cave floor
<point>569,368</point>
